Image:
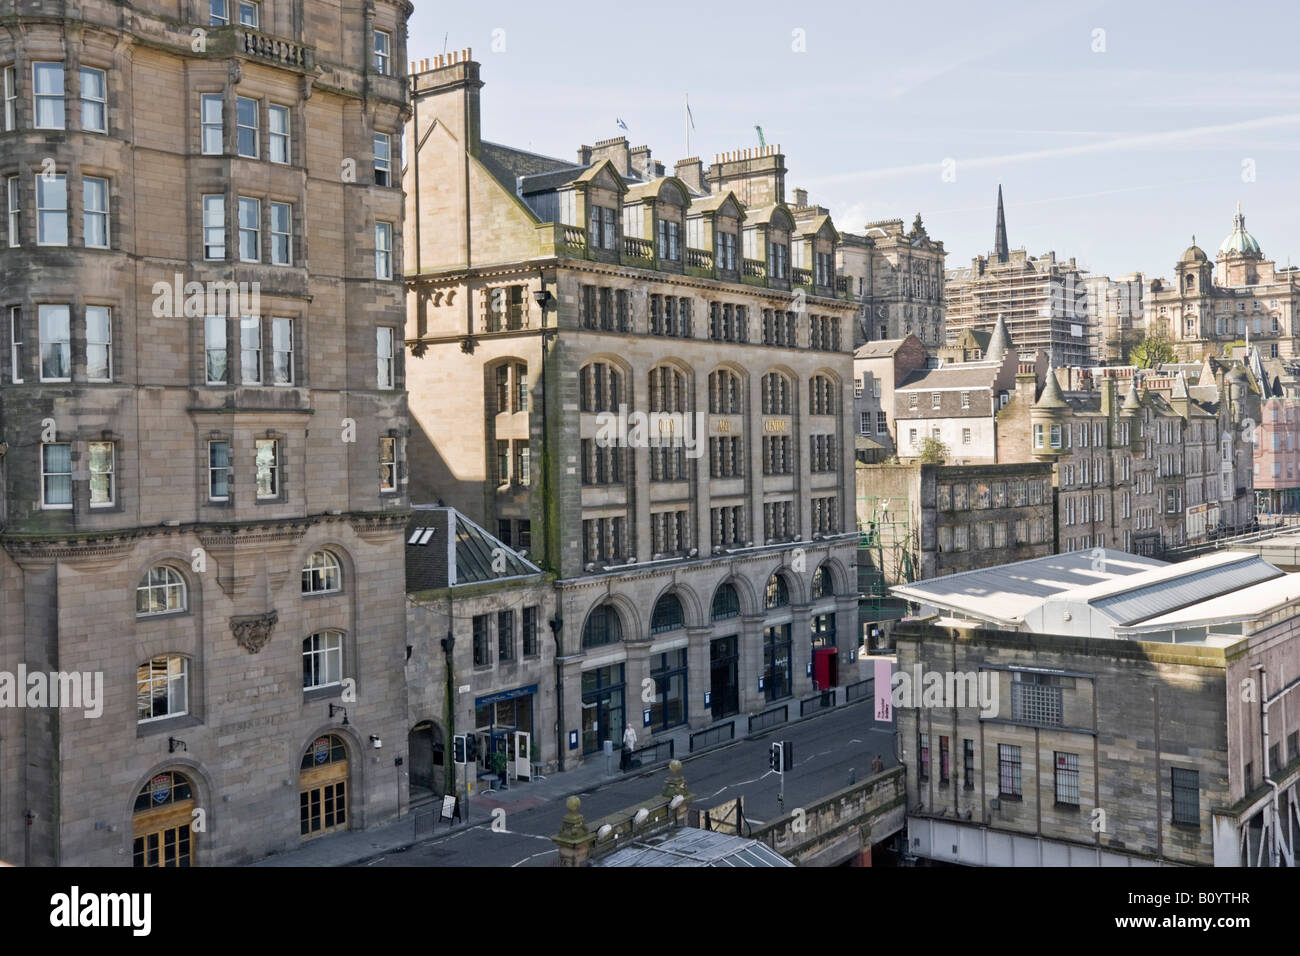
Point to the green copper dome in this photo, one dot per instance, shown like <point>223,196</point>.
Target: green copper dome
<point>1239,241</point>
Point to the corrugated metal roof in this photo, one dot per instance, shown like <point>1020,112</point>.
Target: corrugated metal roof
<point>1190,588</point>
<point>1007,592</point>
<point>1243,605</point>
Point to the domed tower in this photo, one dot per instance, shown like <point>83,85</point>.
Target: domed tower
<point>1047,418</point>
<point>1239,254</point>
<point>1195,278</point>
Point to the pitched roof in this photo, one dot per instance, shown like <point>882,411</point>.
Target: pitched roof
<point>1051,397</point>
<point>958,375</point>
<point>878,348</point>
<point>444,548</point>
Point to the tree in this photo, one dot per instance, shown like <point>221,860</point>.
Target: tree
<point>933,452</point>
<point>1152,351</point>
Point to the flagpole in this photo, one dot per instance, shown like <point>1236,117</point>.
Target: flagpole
<point>688,124</point>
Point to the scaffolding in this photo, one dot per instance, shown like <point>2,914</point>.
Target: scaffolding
<point>887,555</point>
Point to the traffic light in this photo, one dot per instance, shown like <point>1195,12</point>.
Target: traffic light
<point>781,756</point>
<point>458,748</point>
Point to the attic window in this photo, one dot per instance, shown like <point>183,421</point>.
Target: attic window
<point>421,536</point>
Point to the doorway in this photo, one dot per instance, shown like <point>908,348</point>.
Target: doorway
<point>724,680</point>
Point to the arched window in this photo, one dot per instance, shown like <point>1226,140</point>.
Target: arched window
<point>603,627</point>
<point>724,393</point>
<point>822,585</point>
<point>322,574</point>
<point>777,593</point>
<point>726,602</point>
<point>667,390</point>
<point>776,394</point>
<point>325,750</point>
<point>162,688</point>
<point>162,815</point>
<point>821,395</point>
<point>667,615</point>
<point>322,660</point>
<point>601,387</point>
<point>160,591</point>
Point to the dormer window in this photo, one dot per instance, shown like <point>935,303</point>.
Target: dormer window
<point>670,240</point>
<point>603,228</point>
<point>779,260</point>
<point>726,251</point>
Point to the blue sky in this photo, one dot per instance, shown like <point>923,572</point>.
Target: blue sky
<point>1116,157</point>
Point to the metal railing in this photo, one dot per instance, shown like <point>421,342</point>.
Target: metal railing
<point>821,701</point>
<point>713,736</point>
<point>861,690</point>
<point>659,752</point>
<point>769,718</point>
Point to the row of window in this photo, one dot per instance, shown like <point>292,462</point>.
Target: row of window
<point>1184,784</point>
<point>961,496</point>
<point>163,589</point>
<point>264,229</point>
<point>994,534</point>
<point>258,364</point>
<point>505,634</point>
<point>604,625</point>
<point>602,388</point>
<point>266,470</point>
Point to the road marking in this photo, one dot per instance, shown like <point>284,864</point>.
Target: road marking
<point>535,856</point>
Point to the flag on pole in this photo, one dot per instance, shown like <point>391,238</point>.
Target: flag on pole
<point>621,124</point>
<point>689,116</point>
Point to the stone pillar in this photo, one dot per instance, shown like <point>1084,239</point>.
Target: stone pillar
<point>699,676</point>
<point>750,667</point>
<point>635,672</point>
<point>574,840</point>
<point>801,681</point>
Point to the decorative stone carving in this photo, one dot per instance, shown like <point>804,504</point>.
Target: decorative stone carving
<point>253,631</point>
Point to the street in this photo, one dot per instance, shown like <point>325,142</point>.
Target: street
<point>830,752</point>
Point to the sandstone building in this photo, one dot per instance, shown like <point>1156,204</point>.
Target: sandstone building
<point>554,306</point>
<point>899,277</point>
<point>1042,299</point>
<point>203,459</point>
<point>1241,296</point>
<point>1105,729</point>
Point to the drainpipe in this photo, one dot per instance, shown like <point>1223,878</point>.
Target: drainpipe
<point>1264,704</point>
<point>557,628</point>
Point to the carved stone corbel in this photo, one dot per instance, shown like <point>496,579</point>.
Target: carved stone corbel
<point>253,631</point>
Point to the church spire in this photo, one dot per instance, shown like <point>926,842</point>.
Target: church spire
<point>1000,248</point>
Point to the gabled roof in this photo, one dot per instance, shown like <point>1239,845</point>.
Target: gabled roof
<point>878,348</point>
<point>597,170</point>
<point>654,189</point>
<point>715,202</point>
<point>765,214</point>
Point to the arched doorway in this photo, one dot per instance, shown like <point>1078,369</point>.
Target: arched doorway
<point>323,787</point>
<point>428,760</point>
<point>164,812</point>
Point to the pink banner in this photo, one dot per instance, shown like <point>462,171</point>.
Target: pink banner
<point>884,691</point>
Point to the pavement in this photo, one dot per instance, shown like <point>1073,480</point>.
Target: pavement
<point>832,749</point>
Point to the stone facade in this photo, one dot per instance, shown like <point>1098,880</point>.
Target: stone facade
<point>900,276</point>
<point>878,367</point>
<point>1241,296</point>
<point>550,304</point>
<point>962,516</point>
<point>168,477</point>
<point>1077,761</point>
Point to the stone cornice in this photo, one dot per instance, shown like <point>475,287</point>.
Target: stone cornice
<point>110,546</point>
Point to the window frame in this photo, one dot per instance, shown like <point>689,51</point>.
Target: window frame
<point>253,323</point>
<point>101,103</point>
<point>383,249</point>
<point>383,165</point>
<point>211,322</point>
<point>286,235</point>
<point>385,361</point>
<point>40,210</point>
<point>9,83</point>
<point>87,213</point>
<point>46,474</point>
<point>106,344</point>
<point>37,95</point>
<point>174,582</point>
<point>390,461</point>
<point>13,210</point>
<point>323,570</point>
<point>255,129</point>
<point>278,322</point>
<point>284,137</point>
<point>242,230</point>
<point>210,202</point>
<point>166,681</point>
<point>66,343</point>
<point>213,469</point>
<point>317,657</point>
<point>206,125</point>
<point>111,473</point>
<point>382,50</point>
<point>274,469</point>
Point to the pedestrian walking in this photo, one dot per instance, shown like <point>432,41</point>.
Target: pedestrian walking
<point>629,744</point>
<point>877,765</point>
